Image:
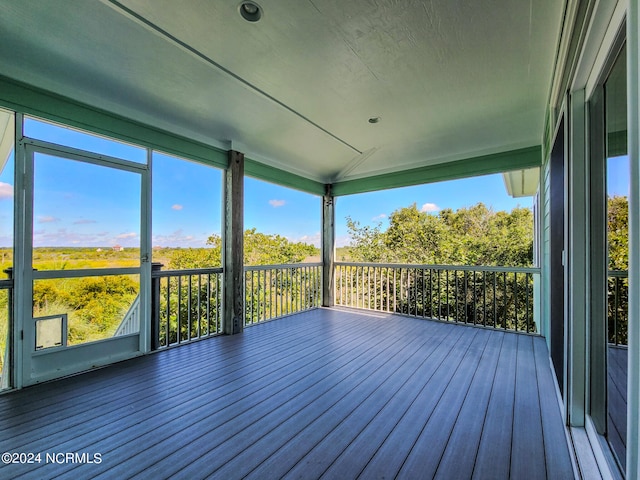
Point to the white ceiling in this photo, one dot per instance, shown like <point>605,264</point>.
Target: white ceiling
<point>450,79</point>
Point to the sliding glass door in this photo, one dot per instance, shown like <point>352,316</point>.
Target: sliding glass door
<point>609,165</point>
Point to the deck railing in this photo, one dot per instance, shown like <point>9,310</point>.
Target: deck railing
<point>272,291</point>
<point>496,297</point>
<point>618,306</point>
<point>186,305</point>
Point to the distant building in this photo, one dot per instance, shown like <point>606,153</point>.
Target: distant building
<point>98,250</point>
<point>118,248</point>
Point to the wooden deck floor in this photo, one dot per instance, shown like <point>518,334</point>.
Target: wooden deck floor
<point>328,393</point>
<point>617,401</point>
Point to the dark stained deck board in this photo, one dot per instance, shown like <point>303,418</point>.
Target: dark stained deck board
<point>329,392</point>
<point>175,404</point>
<point>189,425</point>
<point>168,398</point>
<point>527,452</point>
<point>106,401</point>
<point>385,371</point>
<point>493,458</point>
<point>468,427</point>
<point>556,447</point>
<point>617,401</point>
<point>424,458</point>
<point>356,441</point>
<point>37,409</point>
<point>227,428</point>
<point>332,434</point>
<point>295,412</point>
<point>388,460</point>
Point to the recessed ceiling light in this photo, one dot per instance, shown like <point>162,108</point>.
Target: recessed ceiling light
<point>250,11</point>
<point>374,119</point>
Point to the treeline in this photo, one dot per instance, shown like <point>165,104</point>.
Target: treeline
<point>476,235</point>
<point>259,249</point>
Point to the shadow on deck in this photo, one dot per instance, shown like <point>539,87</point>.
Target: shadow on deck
<point>327,393</point>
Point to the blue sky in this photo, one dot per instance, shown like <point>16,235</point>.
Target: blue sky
<point>78,204</point>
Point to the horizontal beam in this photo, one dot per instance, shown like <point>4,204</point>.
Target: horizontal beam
<point>284,266</point>
<point>469,167</point>
<point>275,175</point>
<point>50,106</point>
<point>459,268</point>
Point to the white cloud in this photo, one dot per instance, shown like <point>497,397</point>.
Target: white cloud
<point>315,239</point>
<point>63,238</point>
<point>177,238</point>
<point>343,241</point>
<point>124,236</point>
<point>47,219</point>
<point>6,190</point>
<point>377,218</point>
<point>176,207</point>
<point>276,203</point>
<point>83,221</point>
<point>429,207</point>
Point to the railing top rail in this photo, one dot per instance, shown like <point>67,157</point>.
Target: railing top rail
<point>460,268</point>
<point>618,273</point>
<point>190,271</point>
<point>6,283</point>
<point>283,266</point>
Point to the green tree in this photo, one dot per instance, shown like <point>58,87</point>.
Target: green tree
<point>263,249</point>
<point>414,237</point>
<point>618,232</point>
<point>476,235</point>
<point>367,244</point>
<point>259,249</point>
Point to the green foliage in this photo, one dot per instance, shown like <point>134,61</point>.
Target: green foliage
<point>618,287</point>
<point>475,235</point>
<point>94,306</point>
<point>263,249</point>
<point>618,232</point>
<point>259,249</point>
<point>189,258</point>
<point>367,242</point>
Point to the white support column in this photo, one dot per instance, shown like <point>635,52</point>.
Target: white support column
<point>233,321</point>
<point>328,248</point>
<point>633,95</point>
